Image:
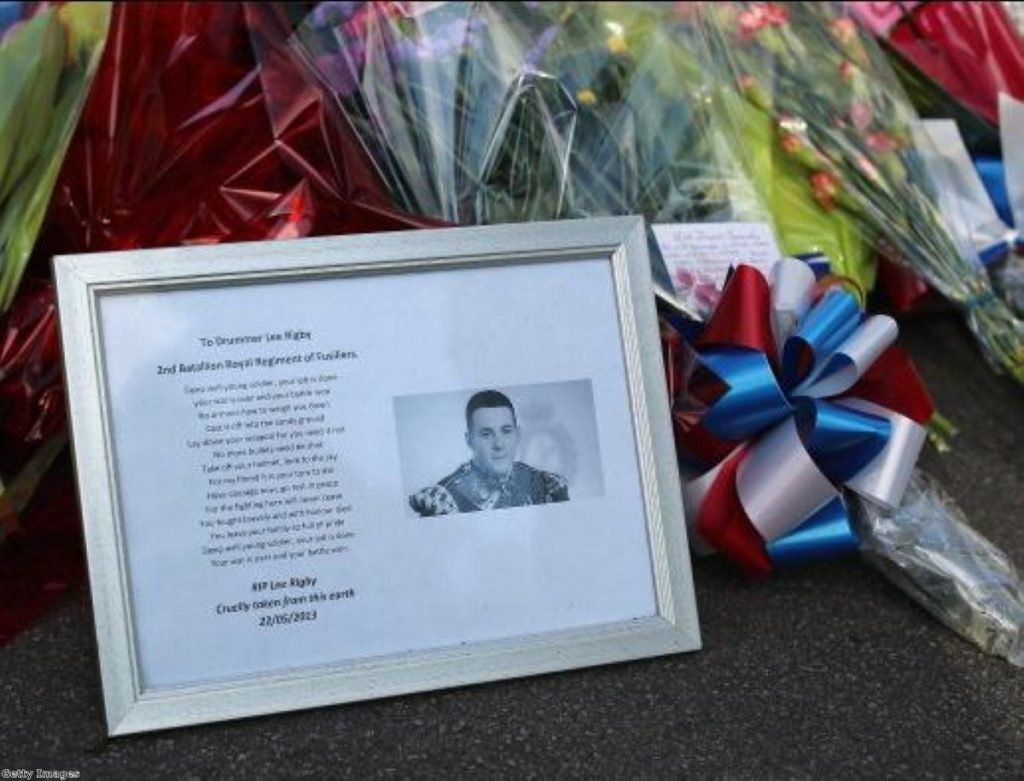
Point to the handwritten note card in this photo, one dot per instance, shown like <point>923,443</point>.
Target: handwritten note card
<point>698,256</point>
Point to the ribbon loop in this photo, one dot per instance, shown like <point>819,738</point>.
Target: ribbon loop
<point>847,364</point>
<point>842,440</point>
<point>753,399</point>
<point>834,318</point>
<point>792,285</point>
<point>826,534</point>
<point>778,483</point>
<point>742,317</point>
<point>885,478</point>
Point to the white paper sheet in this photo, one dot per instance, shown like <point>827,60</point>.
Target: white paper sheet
<point>266,520</point>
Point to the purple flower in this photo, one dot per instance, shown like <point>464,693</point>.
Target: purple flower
<point>334,13</point>
<point>541,46</point>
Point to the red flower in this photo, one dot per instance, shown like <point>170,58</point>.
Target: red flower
<point>791,143</point>
<point>824,188</point>
<point>686,10</point>
<point>774,14</point>
<point>846,70</point>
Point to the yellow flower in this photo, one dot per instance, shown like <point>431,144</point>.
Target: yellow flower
<point>617,44</point>
<point>586,97</point>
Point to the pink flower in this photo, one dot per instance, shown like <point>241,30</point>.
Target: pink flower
<point>881,142</point>
<point>751,22</point>
<point>846,70</point>
<point>684,279</point>
<point>706,294</point>
<point>759,16</point>
<point>746,82</point>
<point>869,169</point>
<point>844,30</point>
<point>861,116</point>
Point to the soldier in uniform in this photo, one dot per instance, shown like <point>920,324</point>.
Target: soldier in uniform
<point>492,478</point>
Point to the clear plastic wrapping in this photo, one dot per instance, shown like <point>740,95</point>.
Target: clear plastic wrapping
<point>1015,9</point>
<point>926,548</point>
<point>187,139</point>
<point>501,112</point>
<point>816,88</point>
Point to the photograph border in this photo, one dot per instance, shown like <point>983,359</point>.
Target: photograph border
<point>82,281</point>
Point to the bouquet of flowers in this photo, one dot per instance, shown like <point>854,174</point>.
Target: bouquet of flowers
<point>971,50</point>
<point>835,108</point>
<point>962,61</point>
<point>498,112</point>
<point>48,53</point>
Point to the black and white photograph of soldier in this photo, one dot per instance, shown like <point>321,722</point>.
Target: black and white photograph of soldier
<point>509,454</point>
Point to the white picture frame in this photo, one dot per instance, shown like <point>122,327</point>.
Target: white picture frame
<point>123,462</point>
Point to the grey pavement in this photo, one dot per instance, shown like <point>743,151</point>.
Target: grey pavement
<point>823,671</point>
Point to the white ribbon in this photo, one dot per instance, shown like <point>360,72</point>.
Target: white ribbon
<point>885,479</point>
<point>841,370</point>
<point>792,283</point>
<point>1011,133</point>
<point>779,484</point>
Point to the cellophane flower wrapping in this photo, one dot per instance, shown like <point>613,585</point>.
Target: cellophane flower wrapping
<point>832,104</point>
<point>973,50</point>
<point>927,549</point>
<point>188,139</point>
<point>501,112</point>
<point>48,55</point>
<point>185,139</point>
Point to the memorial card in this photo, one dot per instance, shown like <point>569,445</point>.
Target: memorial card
<point>325,470</point>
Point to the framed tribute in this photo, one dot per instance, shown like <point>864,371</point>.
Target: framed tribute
<point>326,470</point>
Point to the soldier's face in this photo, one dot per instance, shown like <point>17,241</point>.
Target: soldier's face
<point>493,437</point>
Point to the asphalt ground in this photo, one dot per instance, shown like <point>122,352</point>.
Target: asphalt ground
<point>823,671</point>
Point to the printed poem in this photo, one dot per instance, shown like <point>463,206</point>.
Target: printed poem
<point>271,462</point>
<point>267,453</point>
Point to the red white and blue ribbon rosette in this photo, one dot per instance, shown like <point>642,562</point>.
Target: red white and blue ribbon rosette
<point>787,398</point>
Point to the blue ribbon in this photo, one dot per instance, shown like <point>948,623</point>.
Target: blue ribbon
<point>993,176</point>
<point>994,252</point>
<point>753,401</point>
<point>826,327</point>
<point>826,534</point>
